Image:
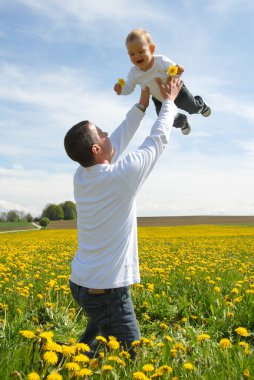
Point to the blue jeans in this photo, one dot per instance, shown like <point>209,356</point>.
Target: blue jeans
<point>185,101</point>
<point>110,313</point>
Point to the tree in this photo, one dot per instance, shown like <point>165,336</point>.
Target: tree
<point>69,210</point>
<point>12,216</point>
<point>53,212</point>
<point>29,218</point>
<point>44,222</point>
<point>3,216</point>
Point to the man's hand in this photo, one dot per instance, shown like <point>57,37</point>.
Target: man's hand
<point>171,89</point>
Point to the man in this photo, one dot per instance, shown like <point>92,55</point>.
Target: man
<point>105,188</point>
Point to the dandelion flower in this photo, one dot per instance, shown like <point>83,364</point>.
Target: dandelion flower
<point>188,366</point>
<point>33,376</point>
<point>165,369</point>
<point>135,343</point>
<point>217,289</point>
<point>121,82</point>
<point>172,70</point>
<point>27,334</point>
<point>203,337</point>
<point>225,343</point>
<point>71,366</point>
<point>113,344</point>
<point>50,357</point>
<point>101,339</point>
<point>148,368</point>
<point>242,331</point>
<point>82,347</point>
<point>106,368</point>
<point>81,358</point>
<point>48,335</point>
<point>246,373</point>
<point>68,350</point>
<point>85,372</point>
<point>139,376</point>
<point>54,376</point>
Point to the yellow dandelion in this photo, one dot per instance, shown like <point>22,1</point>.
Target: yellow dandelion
<point>163,326</point>
<point>235,291</point>
<point>81,358</point>
<point>121,82</point>
<point>245,347</point>
<point>52,346</point>
<point>225,343</point>
<point>71,366</point>
<point>54,376</point>
<point>135,343</point>
<point>217,289</point>
<point>85,372</point>
<point>113,344</point>
<point>125,354</point>
<point>48,335</point>
<point>33,376</point>
<point>139,376</point>
<point>172,70</point>
<point>242,331</point>
<point>173,352</point>
<point>106,368</point>
<point>246,373</point>
<point>101,339</point>
<point>68,350</point>
<point>168,338</point>
<point>50,357</point>
<point>188,366</point>
<point>94,363</point>
<point>148,368</point>
<point>230,314</point>
<point>203,337</point>
<point>82,347</point>
<point>165,369</point>
<point>27,334</point>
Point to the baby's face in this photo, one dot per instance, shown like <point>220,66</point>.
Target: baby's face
<point>141,53</point>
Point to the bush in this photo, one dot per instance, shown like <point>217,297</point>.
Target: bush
<point>44,222</point>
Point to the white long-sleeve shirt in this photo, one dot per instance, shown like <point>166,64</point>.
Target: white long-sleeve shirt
<point>147,78</point>
<point>105,194</point>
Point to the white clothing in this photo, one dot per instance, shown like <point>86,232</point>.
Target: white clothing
<point>147,78</point>
<point>105,194</point>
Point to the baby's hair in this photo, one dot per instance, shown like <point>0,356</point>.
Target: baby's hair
<point>138,34</point>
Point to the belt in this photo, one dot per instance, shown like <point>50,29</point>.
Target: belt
<point>98,291</point>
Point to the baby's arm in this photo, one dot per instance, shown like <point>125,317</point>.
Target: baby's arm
<point>123,87</point>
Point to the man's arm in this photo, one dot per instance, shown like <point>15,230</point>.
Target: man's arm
<point>137,165</point>
<point>121,137</point>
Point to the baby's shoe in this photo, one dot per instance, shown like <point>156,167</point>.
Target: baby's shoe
<point>206,111</point>
<point>186,128</point>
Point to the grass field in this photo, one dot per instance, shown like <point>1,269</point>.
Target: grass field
<point>195,307</point>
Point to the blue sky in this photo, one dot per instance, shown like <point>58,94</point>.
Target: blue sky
<point>58,64</point>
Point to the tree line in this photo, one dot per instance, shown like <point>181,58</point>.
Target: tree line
<point>65,211</point>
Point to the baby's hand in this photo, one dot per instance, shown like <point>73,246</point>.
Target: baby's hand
<point>180,69</point>
<point>118,88</point>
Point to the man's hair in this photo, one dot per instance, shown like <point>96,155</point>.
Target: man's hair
<point>78,144</point>
<point>138,34</point>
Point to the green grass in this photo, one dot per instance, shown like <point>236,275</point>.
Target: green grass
<point>14,224</point>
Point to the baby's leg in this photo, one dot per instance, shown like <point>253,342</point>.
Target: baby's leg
<point>192,104</point>
<point>180,119</point>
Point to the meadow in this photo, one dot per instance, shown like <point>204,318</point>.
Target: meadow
<point>195,307</point>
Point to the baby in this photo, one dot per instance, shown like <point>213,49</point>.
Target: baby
<point>147,67</point>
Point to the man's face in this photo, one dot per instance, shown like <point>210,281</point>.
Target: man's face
<point>141,53</point>
<point>103,141</point>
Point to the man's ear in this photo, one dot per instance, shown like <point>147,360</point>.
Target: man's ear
<point>152,48</point>
<point>96,149</point>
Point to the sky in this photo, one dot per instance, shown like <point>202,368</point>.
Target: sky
<point>59,61</point>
